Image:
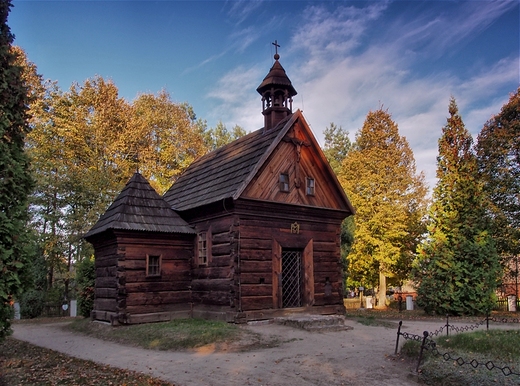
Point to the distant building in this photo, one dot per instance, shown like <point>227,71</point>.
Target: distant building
<point>249,231</point>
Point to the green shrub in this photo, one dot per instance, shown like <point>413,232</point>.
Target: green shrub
<point>6,315</point>
<point>86,277</point>
<point>32,303</point>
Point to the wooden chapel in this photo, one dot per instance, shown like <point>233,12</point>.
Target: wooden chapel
<point>249,231</point>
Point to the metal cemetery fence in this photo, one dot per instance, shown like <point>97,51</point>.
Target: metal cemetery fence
<point>428,344</point>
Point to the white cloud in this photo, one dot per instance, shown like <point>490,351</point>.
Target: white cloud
<point>236,103</point>
<point>241,9</point>
<point>341,72</point>
<point>437,29</point>
<point>327,34</point>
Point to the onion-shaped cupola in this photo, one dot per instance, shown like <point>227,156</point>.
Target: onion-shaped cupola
<point>277,92</point>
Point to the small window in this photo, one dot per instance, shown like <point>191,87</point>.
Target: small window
<point>284,182</point>
<point>203,248</point>
<point>153,265</point>
<point>310,186</point>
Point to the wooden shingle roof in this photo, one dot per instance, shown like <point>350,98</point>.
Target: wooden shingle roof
<point>140,208</point>
<point>226,172</point>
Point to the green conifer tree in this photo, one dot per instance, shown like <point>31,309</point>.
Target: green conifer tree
<point>458,266</point>
<point>15,179</point>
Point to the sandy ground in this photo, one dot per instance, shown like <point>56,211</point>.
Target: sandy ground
<point>362,355</point>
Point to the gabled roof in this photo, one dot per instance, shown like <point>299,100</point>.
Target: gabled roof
<point>140,208</point>
<point>227,171</point>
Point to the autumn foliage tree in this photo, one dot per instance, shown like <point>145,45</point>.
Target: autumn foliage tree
<point>457,267</point>
<point>498,156</point>
<point>15,179</point>
<point>84,145</point>
<point>380,178</point>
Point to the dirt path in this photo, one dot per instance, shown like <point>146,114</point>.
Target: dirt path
<point>362,355</point>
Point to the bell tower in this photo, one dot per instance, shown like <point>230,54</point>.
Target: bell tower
<point>277,92</point>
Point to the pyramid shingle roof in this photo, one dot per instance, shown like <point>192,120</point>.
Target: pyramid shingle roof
<point>140,208</point>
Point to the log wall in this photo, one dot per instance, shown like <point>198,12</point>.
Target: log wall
<point>213,285</point>
<point>123,291</point>
<point>108,278</point>
<point>265,229</point>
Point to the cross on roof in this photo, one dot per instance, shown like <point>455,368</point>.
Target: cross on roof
<point>276,45</point>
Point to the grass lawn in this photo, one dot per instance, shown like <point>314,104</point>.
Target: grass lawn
<point>499,348</point>
<point>22,363</point>
<point>177,334</point>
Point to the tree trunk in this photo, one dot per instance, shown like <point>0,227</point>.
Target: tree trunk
<point>381,295</point>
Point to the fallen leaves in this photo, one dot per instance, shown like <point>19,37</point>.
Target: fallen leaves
<point>24,364</point>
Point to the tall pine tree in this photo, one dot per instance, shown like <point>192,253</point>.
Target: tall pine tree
<point>15,179</point>
<point>458,266</point>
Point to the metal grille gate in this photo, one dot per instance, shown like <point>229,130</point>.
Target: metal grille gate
<point>291,278</point>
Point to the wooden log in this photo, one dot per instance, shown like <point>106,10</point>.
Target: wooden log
<point>221,238</point>
<point>213,298</point>
<point>220,249</point>
<point>140,276</point>
<point>265,267</point>
<point>106,282</point>
<point>325,266</point>
<point>257,290</point>
<point>212,273</point>
<point>157,298</point>
<point>325,246</point>
<point>163,316</point>
<point>105,261</point>
<point>255,254</point>
<point>105,305</point>
<point>221,261</point>
<point>158,286</point>
<point>256,278</point>
<point>106,271</point>
<point>110,293</point>
<point>322,300</point>
<point>224,285</point>
<point>255,244</point>
<point>256,302</point>
<point>139,309</point>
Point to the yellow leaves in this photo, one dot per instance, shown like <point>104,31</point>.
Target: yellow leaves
<point>88,142</point>
<point>380,179</point>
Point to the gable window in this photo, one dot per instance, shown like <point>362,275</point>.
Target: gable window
<point>153,265</point>
<point>284,182</point>
<point>203,248</point>
<point>310,186</point>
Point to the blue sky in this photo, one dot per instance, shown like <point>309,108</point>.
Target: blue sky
<point>344,58</point>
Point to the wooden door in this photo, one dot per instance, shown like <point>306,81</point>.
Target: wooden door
<point>292,283</point>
